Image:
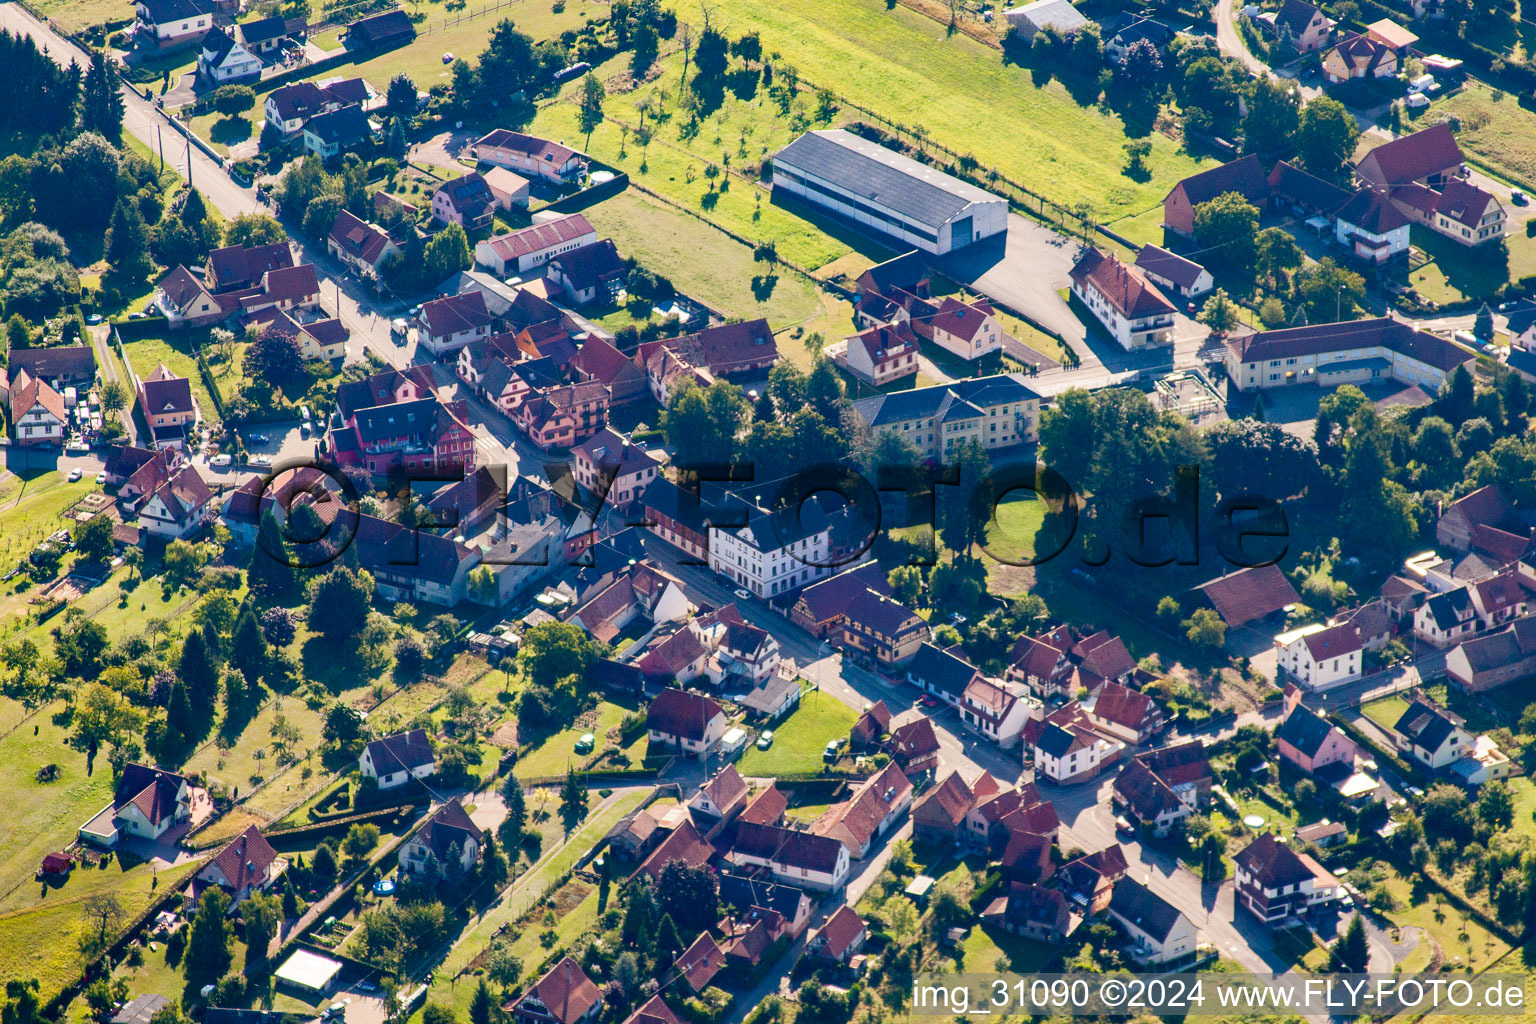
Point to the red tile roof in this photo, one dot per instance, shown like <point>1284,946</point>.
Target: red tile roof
<point>1132,295</point>
<point>680,713</point>
<point>565,992</point>
<point>1250,594</point>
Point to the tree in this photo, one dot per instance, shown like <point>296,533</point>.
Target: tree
<point>503,966</point>
<point>248,651</point>
<point>106,911</point>
<point>251,229</point>
<point>447,253</point>
<point>262,916</point>
<point>104,716</point>
<point>590,108</point>
<point>1229,223</point>
<point>321,214</point>
<point>482,1007</point>
<point>1274,111</point>
<point>93,539</point>
<point>573,802</point>
<point>643,54</point>
<point>1219,313</point>
<point>323,864</point>
<point>101,105</point>
<point>180,722</point>
<point>210,941</point>
<point>361,840</point>
<point>689,895</point>
<point>339,603</point>
<point>701,424</point>
<point>1351,954</point>
<point>517,809</point>
<point>230,100</point>
<point>1142,64</point>
<point>552,651</point>
<point>668,943</point>
<point>1276,253</point>
<point>1136,154</point>
<point>1205,629</point>
<point>1482,324</point>
<point>1329,293</point>
<point>127,248</point>
<point>277,358</point>
<point>907,584</point>
<point>114,396</point>
<point>197,671</point>
<point>401,99</point>
<point>1325,138</point>
<point>270,573</point>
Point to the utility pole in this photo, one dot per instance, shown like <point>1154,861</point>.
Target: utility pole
<point>189,161</point>
<point>160,141</point>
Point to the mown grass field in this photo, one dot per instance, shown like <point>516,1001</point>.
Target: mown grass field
<point>801,739</point>
<point>79,15</point>
<point>557,753</point>
<point>175,352</point>
<point>904,66</point>
<point>703,261</point>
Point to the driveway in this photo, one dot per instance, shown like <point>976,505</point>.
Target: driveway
<point>442,150</point>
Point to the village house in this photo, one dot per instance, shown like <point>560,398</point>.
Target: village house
<point>1459,210</point>
<point>168,25</point>
<point>1309,741</point>
<point>529,155</point>
<point>599,360</point>
<point>398,758</point>
<point>1276,884</point>
<point>179,507</point>
<point>871,810</point>
<point>722,797</point>
<point>1125,714</point>
<point>879,354</point>
<point>998,710</point>
<point>712,354</point>
<point>913,744</point>
<point>184,301</point>
<point>590,273</point>
<point>1431,735</point>
<point>1160,934</point>
<point>611,466</point>
<point>772,553</point>
<point>999,411</point>
<point>564,995</point>
<point>1359,56</point>
<point>1320,656</point>
<point>743,893</point>
<point>802,859</point>
<point>1447,617</point>
<point>699,963</point>
<point>563,416</point>
<point>1372,227</point>
<point>328,135</point>
<point>518,252</point>
<point>404,431</point>
<point>678,517</point>
<point>643,592</point>
<point>1484,507</point>
<point>465,201</point>
<point>1494,659</point>
<point>882,629</point>
<point>246,865</point>
<point>1304,24</point>
<point>146,803</point>
<point>1163,786</point>
<point>222,60</point>
<point>1066,747</point>
<point>235,268</point>
<point>690,722</point>
<point>447,845</point>
<point>288,107</point>
<point>1088,882</point>
<point>1033,912</point>
<point>1131,308</point>
<point>449,323</point>
<point>359,244</point>
<point>966,329</point>
<point>1173,273</point>
<point>61,366</point>
<point>37,412</point>
<point>1027,20</point>
<point>840,938</point>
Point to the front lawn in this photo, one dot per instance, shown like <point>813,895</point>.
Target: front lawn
<point>1498,133</point>
<point>175,352</point>
<point>801,739</point>
<point>556,753</point>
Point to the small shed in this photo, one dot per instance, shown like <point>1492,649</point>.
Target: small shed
<point>919,888</point>
<point>57,864</point>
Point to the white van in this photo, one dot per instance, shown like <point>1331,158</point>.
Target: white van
<point>733,742</point>
<point>1417,101</point>
<point>1422,84</point>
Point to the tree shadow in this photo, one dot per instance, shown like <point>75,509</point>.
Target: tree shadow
<point>763,285</point>
<point>230,131</point>
<point>743,83</point>
<point>1137,107</point>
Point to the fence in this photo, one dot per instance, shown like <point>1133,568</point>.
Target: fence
<point>448,23</point>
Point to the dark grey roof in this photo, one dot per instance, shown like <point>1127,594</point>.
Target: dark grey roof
<point>746,893</point>
<point>1055,741</point>
<point>1305,730</point>
<point>1425,725</point>
<point>1143,908</point>
<point>932,665</point>
<point>343,127</point>
<point>263,29</point>
<point>1451,609</point>
<point>1522,315</point>
<point>936,401</point>
<point>924,194</point>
